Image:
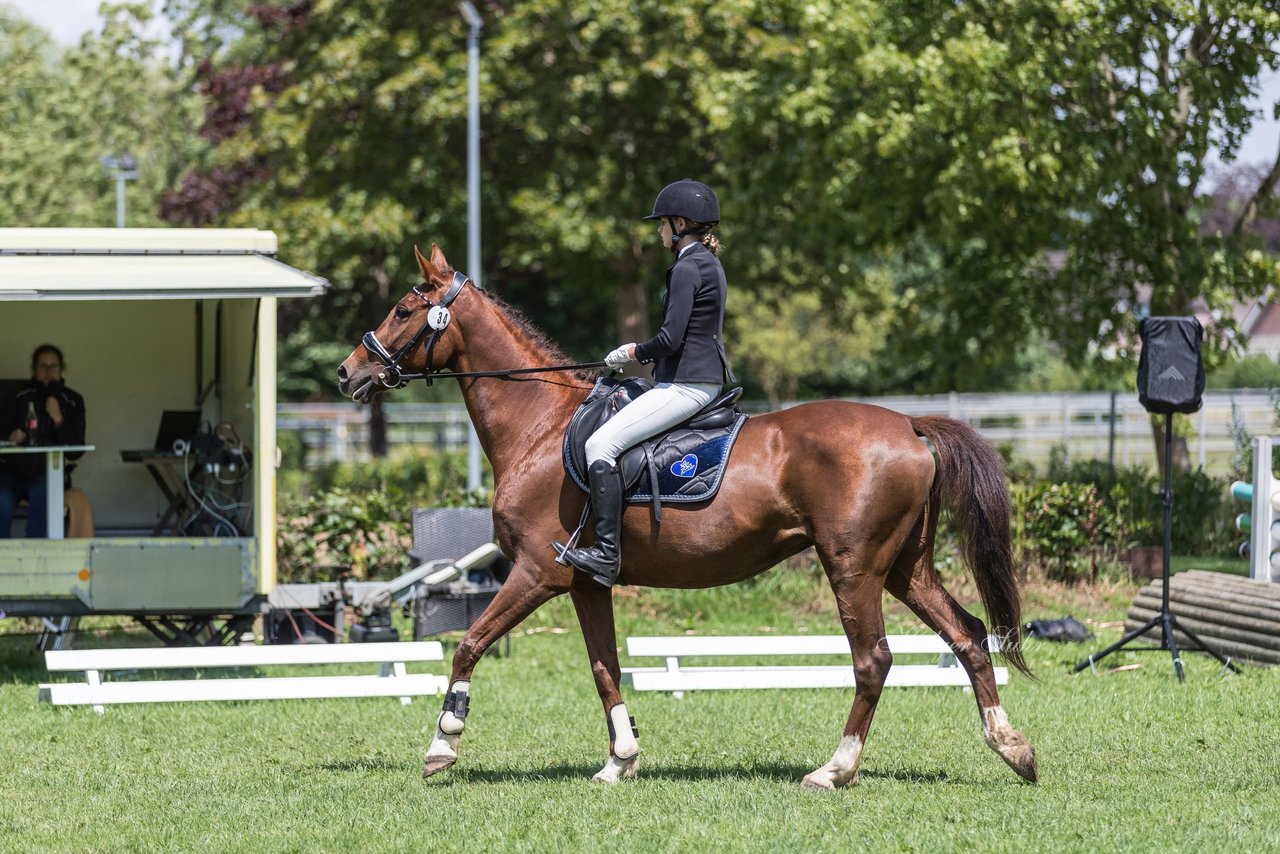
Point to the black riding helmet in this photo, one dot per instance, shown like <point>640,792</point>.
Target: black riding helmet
<point>690,199</point>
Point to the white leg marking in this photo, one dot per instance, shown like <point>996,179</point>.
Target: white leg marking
<point>617,769</point>
<point>842,770</point>
<point>444,747</point>
<point>1012,745</point>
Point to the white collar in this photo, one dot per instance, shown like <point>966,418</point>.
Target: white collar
<point>686,249</point>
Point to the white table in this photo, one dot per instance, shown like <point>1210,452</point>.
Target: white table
<point>54,460</point>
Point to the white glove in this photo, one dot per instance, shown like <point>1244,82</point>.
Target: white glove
<point>619,357</point>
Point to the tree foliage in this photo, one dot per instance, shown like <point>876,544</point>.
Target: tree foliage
<point>990,135</point>
<point>61,110</point>
<point>940,183</point>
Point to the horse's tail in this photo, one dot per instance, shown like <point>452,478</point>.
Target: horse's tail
<point>971,484</point>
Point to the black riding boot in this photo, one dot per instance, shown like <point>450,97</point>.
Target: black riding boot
<point>602,560</point>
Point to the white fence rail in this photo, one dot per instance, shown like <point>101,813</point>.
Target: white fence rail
<point>1088,425</point>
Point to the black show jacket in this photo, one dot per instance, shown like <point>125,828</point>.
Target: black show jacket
<point>689,348</point>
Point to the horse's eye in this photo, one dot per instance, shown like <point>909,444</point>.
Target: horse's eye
<point>402,313</point>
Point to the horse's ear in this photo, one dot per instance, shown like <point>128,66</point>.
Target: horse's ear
<point>437,258</point>
<point>422,262</point>
<point>434,269</point>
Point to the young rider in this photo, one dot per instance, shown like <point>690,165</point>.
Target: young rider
<point>690,366</point>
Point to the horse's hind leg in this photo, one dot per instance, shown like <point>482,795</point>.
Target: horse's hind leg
<point>914,580</point>
<point>594,605</point>
<point>519,597</point>
<point>858,599</point>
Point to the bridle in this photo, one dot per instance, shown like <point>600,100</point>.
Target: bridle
<point>438,318</point>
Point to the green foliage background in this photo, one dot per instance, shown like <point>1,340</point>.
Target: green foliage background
<point>917,198</point>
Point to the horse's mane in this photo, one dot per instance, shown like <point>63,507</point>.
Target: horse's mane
<point>550,350</point>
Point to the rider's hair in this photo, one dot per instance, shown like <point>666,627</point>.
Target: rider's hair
<point>707,239</point>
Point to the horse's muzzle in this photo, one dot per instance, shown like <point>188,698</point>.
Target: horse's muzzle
<point>360,392</point>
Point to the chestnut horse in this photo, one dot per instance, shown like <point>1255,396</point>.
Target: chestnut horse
<point>854,481</point>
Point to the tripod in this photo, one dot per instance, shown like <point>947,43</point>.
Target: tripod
<point>1165,619</point>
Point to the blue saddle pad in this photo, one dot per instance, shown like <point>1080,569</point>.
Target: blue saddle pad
<point>690,464</point>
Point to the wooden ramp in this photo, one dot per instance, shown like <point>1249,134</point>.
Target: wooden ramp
<point>1237,616</point>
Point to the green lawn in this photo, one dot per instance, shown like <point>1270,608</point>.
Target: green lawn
<point>1130,760</point>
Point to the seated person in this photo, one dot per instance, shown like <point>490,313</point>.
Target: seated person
<point>60,420</point>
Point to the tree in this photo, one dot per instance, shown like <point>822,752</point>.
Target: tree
<point>60,110</point>
<point>949,147</point>
<point>983,135</point>
<point>344,125</point>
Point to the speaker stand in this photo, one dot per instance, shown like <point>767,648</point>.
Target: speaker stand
<point>1165,618</point>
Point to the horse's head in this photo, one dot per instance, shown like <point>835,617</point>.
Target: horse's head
<point>414,339</point>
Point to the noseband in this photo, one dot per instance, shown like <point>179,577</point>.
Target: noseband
<point>437,322</point>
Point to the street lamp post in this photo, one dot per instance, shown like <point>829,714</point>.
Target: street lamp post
<point>122,168</point>
<point>473,195</point>
<point>473,138</point>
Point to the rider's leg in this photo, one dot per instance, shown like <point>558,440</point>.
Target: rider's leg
<point>648,415</point>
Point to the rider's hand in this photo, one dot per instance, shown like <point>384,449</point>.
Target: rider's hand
<point>620,356</point>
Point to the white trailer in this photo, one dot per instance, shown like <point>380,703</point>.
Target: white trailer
<point>150,320</point>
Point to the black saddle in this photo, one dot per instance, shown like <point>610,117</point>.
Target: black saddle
<point>684,464</point>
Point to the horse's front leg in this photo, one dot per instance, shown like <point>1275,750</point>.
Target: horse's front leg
<point>594,605</point>
<point>524,590</point>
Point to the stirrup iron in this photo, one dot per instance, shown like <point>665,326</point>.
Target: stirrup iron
<point>572,542</point>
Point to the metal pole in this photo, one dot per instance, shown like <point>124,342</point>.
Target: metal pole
<point>119,199</point>
<point>1166,498</point>
<point>473,141</point>
<point>473,197</point>
<point>121,168</point>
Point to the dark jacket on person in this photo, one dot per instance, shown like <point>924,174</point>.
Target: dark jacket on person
<point>689,348</point>
<point>13,416</point>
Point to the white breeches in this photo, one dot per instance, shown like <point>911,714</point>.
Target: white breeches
<point>663,406</point>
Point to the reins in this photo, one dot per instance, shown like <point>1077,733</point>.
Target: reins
<point>580,366</point>
<point>438,317</point>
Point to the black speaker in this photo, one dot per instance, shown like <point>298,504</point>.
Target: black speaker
<point>1170,373</point>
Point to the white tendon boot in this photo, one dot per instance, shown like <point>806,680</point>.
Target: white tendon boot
<point>1012,745</point>
<point>443,750</point>
<point>842,770</point>
<point>624,751</point>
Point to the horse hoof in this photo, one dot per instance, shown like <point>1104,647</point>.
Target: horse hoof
<point>1022,759</point>
<point>435,764</point>
<point>817,784</point>
<point>1018,754</point>
<point>617,769</point>
<point>823,780</point>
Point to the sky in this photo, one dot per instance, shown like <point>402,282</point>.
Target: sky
<point>68,20</point>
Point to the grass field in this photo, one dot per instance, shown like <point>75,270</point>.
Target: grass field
<point>1130,760</point>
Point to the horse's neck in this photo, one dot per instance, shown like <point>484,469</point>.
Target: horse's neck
<point>515,416</point>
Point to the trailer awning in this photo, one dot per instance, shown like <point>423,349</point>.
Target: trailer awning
<point>146,263</point>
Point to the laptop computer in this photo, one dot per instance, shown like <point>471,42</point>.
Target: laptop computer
<point>177,424</point>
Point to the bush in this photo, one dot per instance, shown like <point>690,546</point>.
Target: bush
<point>428,477</point>
<point>1068,529</point>
<point>355,518</point>
<point>1202,510</point>
<point>342,532</point>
